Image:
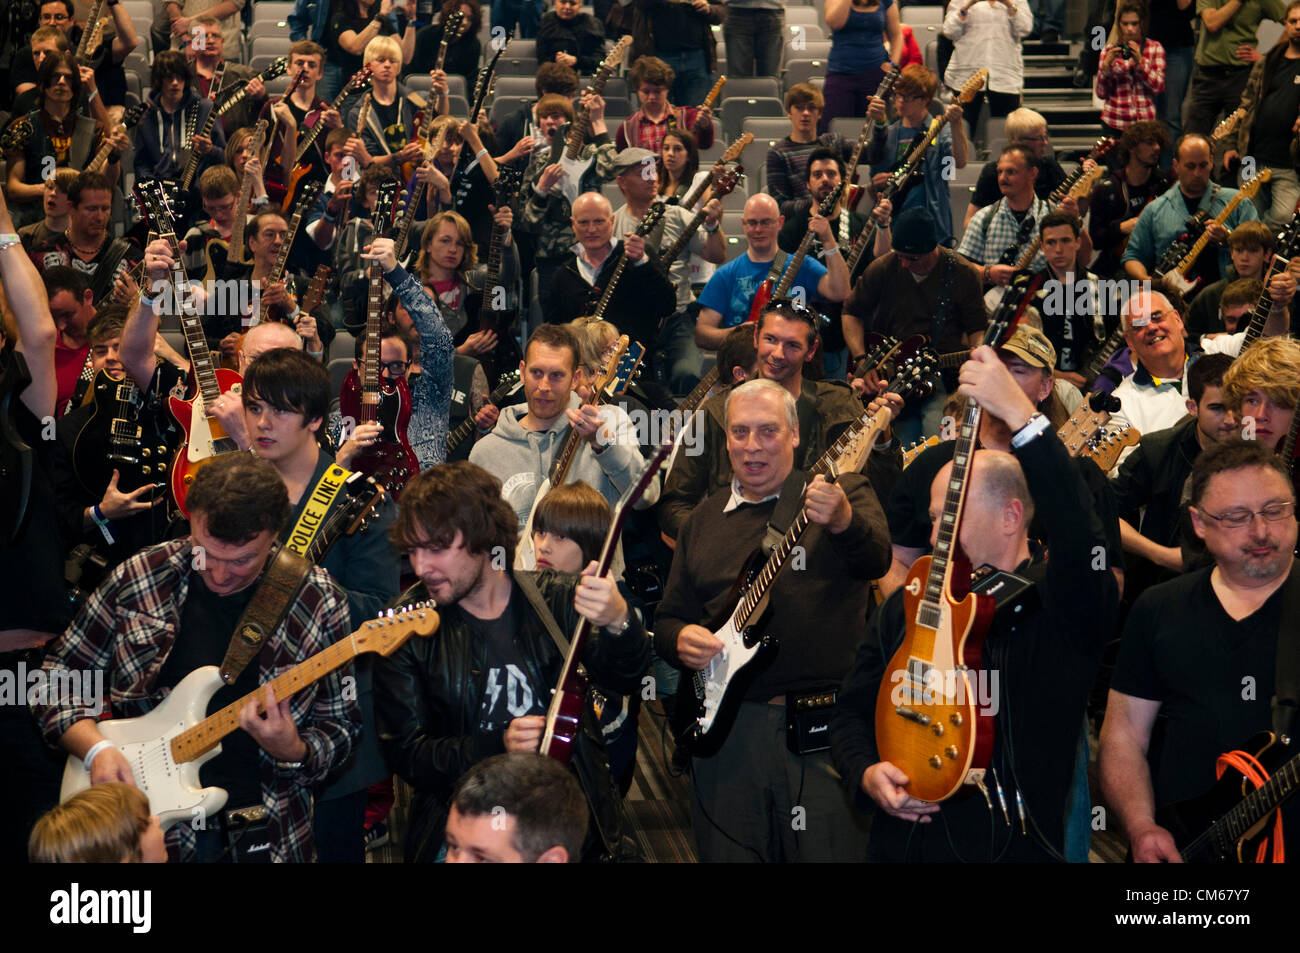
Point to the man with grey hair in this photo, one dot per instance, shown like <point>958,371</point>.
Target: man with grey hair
<point>755,798</point>
<point>1045,654</point>
<point>1153,397</point>
<point>643,297</point>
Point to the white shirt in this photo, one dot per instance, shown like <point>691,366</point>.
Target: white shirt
<point>988,36</point>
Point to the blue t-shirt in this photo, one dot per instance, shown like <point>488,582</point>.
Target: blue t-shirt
<point>859,46</point>
<point>731,289</point>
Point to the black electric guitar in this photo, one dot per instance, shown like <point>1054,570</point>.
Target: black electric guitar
<point>494,311</point>
<point>1229,823</point>
<point>122,435</point>
<point>507,384</point>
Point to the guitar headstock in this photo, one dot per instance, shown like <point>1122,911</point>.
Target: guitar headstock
<point>363,494</point>
<point>276,69</point>
<point>613,355</point>
<point>257,142</point>
<point>915,376</point>
<point>972,86</point>
<point>916,449</point>
<point>734,150</point>
<point>1018,295</point>
<point>1103,146</point>
<point>508,382</point>
<point>359,81</point>
<point>886,87</point>
<point>625,369</point>
<point>829,202</point>
<point>653,216</point>
<point>308,193</point>
<point>1105,448</point>
<point>454,27</point>
<point>386,634</point>
<point>316,289</point>
<point>712,97</point>
<point>385,205</point>
<point>299,78</point>
<point>155,207</point>
<point>509,181</point>
<point>1230,122</point>
<point>132,115</point>
<point>614,58</point>
<point>1249,189</point>
<point>725,179</point>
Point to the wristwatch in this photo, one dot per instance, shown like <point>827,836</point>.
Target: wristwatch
<point>627,622</point>
<point>1034,426</point>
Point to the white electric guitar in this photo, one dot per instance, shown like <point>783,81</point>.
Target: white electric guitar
<point>166,747</point>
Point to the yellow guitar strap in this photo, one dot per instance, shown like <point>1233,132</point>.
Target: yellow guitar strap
<point>319,501</point>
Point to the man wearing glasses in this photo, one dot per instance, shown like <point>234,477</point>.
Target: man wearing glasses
<point>928,186</point>
<point>119,40</point>
<point>727,298</point>
<point>1153,395</point>
<point>1202,650</point>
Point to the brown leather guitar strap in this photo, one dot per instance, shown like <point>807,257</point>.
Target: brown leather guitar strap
<point>275,594</point>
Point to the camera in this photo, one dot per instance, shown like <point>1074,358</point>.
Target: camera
<point>1125,52</point>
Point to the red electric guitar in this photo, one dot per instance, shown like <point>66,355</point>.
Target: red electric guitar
<point>205,437</point>
<point>929,719</point>
<point>564,715</point>
<point>368,398</point>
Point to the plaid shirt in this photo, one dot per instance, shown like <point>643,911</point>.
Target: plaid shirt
<point>639,129</point>
<point>128,629</point>
<point>994,228</point>
<point>1129,89</point>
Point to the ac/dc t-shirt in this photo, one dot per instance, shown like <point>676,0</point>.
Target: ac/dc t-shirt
<point>508,693</point>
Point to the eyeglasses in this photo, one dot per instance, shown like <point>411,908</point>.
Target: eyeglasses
<point>908,97</point>
<point>54,17</point>
<point>395,367</point>
<point>1236,519</point>
<point>61,77</point>
<point>758,222</point>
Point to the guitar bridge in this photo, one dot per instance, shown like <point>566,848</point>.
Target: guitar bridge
<point>912,714</point>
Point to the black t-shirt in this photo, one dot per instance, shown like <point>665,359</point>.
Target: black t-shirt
<point>1170,26</point>
<point>390,120</point>
<point>471,195</point>
<point>207,622</point>
<point>908,511</point>
<point>32,594</point>
<point>1050,175</point>
<point>344,17</point>
<point>508,694</point>
<point>1270,134</point>
<point>1212,675</point>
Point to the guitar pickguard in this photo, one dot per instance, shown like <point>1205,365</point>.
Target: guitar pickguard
<point>204,431</point>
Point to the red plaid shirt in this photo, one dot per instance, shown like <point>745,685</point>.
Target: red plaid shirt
<point>1129,89</point>
<point>640,130</point>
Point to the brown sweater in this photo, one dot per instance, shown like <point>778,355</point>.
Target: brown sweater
<point>888,300</point>
<point>819,603</point>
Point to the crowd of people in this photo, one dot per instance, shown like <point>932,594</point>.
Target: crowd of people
<point>289,350</point>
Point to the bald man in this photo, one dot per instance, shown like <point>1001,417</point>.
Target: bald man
<point>1045,655</point>
<point>1153,397</point>
<point>726,299</point>
<point>643,297</point>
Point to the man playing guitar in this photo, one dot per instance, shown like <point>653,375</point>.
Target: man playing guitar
<point>1046,656</point>
<point>391,117</point>
<point>296,115</point>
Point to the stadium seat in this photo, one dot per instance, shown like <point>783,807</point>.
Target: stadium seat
<point>736,112</point>
<point>264,10</point>
<point>802,70</point>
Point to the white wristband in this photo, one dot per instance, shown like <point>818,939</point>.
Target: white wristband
<point>95,749</point>
<point>1034,426</point>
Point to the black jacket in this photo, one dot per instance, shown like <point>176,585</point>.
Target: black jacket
<point>642,299</point>
<point>429,692</point>
<point>583,37</point>
<point>1046,659</point>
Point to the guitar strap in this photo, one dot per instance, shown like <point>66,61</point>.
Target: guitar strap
<point>607,809</point>
<point>283,578</point>
<point>1286,686</point>
<point>778,267</point>
<point>276,593</point>
<point>788,505</point>
<point>943,298</point>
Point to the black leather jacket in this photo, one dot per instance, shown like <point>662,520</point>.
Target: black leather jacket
<point>428,695</point>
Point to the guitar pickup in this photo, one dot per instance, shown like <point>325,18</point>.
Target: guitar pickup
<point>912,714</point>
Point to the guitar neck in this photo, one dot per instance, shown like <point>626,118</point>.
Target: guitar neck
<point>309,139</point>
<point>1108,349</point>
<point>670,254</point>
<point>866,238</point>
<point>207,734</point>
<point>192,166</point>
<point>493,275</point>
<point>1259,317</point>
<point>793,265</point>
<point>701,390</point>
<point>914,157</point>
<point>89,31</point>
<point>1253,808</point>
<point>1288,445</point>
<point>599,313</point>
<point>939,582</point>
<point>1198,246</point>
<point>402,234</point>
<point>370,359</point>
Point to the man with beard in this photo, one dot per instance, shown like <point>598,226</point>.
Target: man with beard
<point>86,246</point>
<point>1192,645</point>
<point>481,686</point>
<point>1117,202</point>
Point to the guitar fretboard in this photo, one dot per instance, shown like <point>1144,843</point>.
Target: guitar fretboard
<point>950,518</point>
<point>1254,807</point>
